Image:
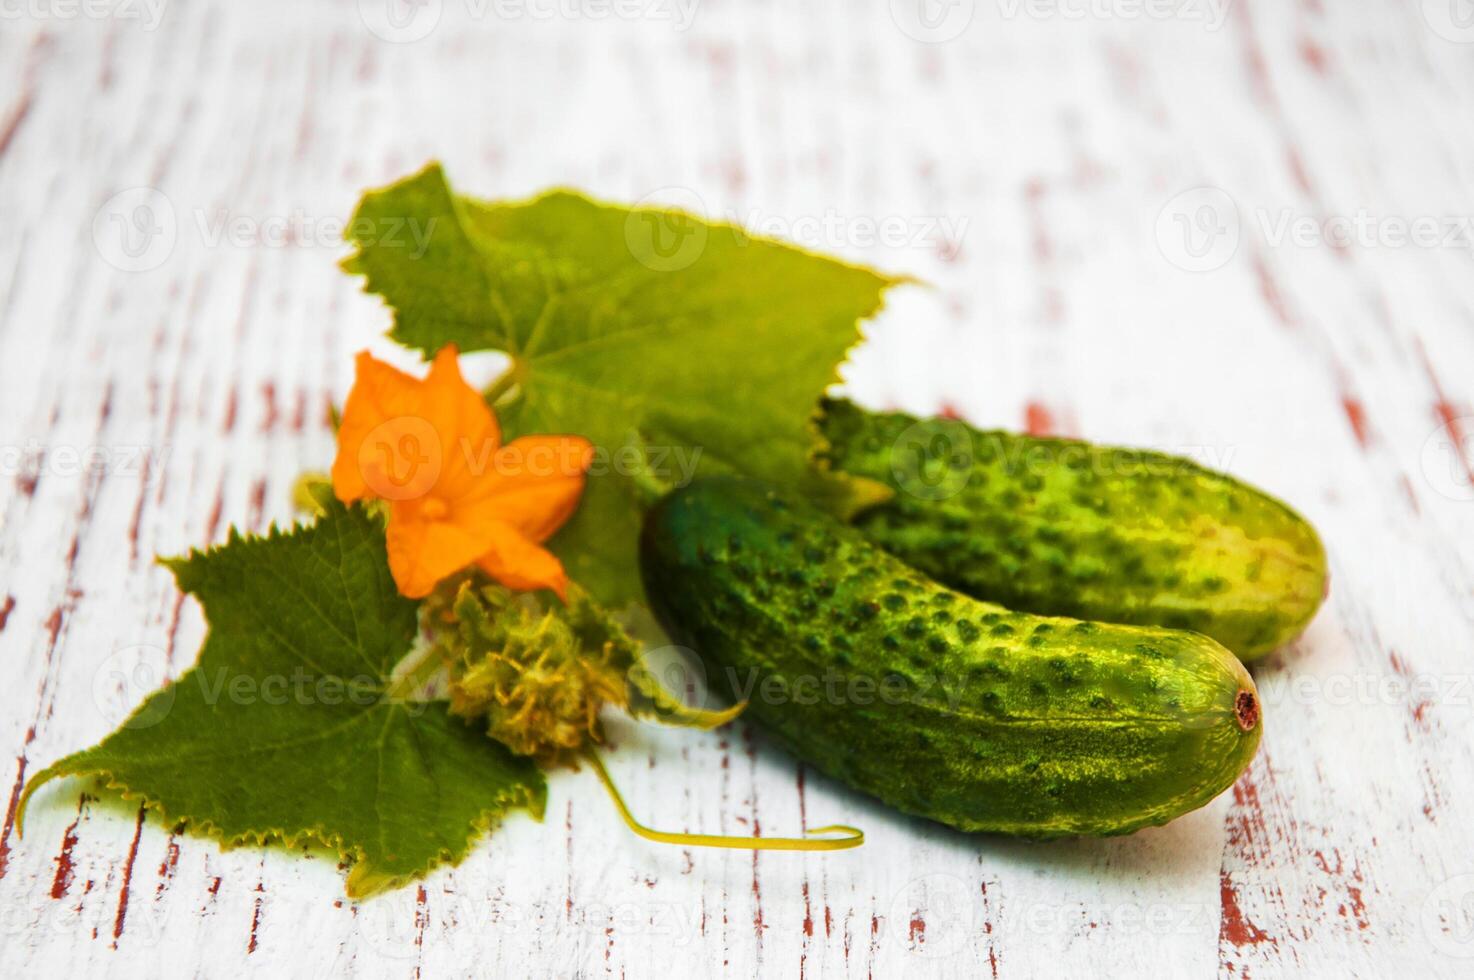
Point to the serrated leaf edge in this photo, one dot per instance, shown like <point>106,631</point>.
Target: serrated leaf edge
<point>489,817</point>
<point>351,264</point>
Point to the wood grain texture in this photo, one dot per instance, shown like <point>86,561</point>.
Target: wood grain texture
<point>154,390</point>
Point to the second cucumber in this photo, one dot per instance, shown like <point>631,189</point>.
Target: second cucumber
<point>1065,528</point>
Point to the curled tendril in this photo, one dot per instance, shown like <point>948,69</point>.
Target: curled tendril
<point>537,673</point>
<point>852,836</point>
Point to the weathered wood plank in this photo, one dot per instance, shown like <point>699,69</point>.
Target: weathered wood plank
<point>1031,168</point>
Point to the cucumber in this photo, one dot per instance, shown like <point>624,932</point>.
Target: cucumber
<point>939,704</point>
<point>1065,528</point>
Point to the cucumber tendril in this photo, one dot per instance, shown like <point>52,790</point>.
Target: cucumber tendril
<point>537,672</point>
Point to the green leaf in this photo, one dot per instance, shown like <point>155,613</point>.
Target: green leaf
<point>282,730</point>
<point>615,316</point>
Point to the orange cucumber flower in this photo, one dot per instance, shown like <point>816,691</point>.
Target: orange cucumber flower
<point>431,448</point>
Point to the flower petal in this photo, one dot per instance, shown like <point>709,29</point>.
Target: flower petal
<point>432,448</point>
<point>519,563</point>
<point>465,423</point>
<point>386,447</point>
<point>422,552</point>
<point>534,484</point>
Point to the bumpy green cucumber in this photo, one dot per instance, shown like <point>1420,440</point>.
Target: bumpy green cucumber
<point>1066,528</point>
<point>937,703</point>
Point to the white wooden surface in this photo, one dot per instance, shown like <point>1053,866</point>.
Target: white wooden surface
<point>1027,159</point>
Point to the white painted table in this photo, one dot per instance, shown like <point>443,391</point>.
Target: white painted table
<point>1303,317</point>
